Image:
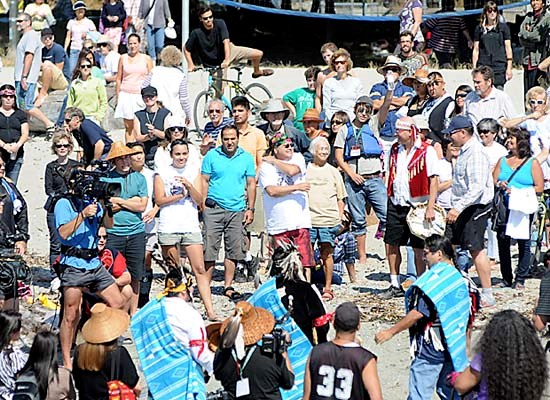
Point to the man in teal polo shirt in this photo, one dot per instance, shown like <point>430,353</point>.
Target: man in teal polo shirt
<point>128,232</point>
<point>227,171</point>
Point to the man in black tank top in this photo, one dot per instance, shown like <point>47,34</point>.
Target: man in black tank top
<point>342,369</point>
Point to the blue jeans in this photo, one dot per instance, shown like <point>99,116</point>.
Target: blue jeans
<point>426,376</point>
<point>13,167</point>
<point>73,59</point>
<point>155,41</point>
<point>373,191</point>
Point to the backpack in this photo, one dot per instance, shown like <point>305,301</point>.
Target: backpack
<point>118,390</point>
<point>26,387</point>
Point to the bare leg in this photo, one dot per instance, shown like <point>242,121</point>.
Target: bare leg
<point>229,272</point>
<point>129,127</point>
<point>39,115</point>
<point>203,276</point>
<point>483,268</point>
<point>394,258</point>
<point>328,264</point>
<point>112,296</point>
<point>255,59</point>
<point>362,248</point>
<point>71,316</point>
<point>419,261</point>
<point>47,76</point>
<point>171,255</point>
<point>126,293</point>
<point>134,283</point>
<point>351,272</point>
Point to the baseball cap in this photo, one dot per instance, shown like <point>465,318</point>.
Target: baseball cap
<point>364,100</point>
<point>347,317</point>
<point>46,32</point>
<point>458,122</point>
<point>149,91</point>
<point>79,5</point>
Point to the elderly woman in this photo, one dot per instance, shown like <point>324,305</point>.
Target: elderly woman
<point>171,83</point>
<point>342,90</point>
<point>520,176</point>
<point>326,205</point>
<point>14,132</point>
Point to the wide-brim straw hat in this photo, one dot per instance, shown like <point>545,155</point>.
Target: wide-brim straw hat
<point>274,106</point>
<point>105,325</point>
<point>256,322</point>
<point>213,335</point>
<point>421,75</point>
<point>392,61</point>
<point>311,114</point>
<point>119,149</point>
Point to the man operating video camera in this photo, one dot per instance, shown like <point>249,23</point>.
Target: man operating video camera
<point>78,216</point>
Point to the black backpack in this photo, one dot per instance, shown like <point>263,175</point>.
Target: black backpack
<point>26,387</point>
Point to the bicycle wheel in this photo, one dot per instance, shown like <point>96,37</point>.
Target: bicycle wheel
<point>257,94</point>
<point>200,110</point>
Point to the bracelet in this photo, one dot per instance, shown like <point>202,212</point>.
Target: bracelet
<point>251,209</point>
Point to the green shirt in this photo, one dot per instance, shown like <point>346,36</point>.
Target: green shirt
<point>127,222</point>
<point>301,99</point>
<point>90,96</point>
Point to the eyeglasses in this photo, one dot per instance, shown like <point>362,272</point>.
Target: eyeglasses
<point>461,95</point>
<point>342,62</point>
<point>287,145</point>
<point>62,146</point>
<point>20,20</point>
<point>214,111</point>
<point>539,102</point>
<point>337,122</point>
<point>485,132</point>
<point>177,129</point>
<point>85,66</point>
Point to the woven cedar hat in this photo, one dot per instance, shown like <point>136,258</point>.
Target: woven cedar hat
<point>119,149</point>
<point>421,75</point>
<point>256,322</point>
<point>105,325</point>
<point>311,114</point>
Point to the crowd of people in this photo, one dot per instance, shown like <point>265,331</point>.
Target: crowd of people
<point>326,158</point>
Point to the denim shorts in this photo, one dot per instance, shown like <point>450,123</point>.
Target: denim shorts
<point>25,98</point>
<point>184,239</point>
<point>324,234</point>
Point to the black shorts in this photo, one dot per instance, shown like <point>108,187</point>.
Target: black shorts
<point>468,231</point>
<point>95,280</point>
<point>397,231</point>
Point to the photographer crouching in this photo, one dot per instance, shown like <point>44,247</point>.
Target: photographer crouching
<point>13,238</point>
<point>78,216</point>
<point>251,361</point>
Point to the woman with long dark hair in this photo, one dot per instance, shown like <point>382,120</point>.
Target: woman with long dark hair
<point>460,95</point>
<point>415,105</point>
<point>493,45</point>
<point>54,382</point>
<point>12,358</point>
<point>522,187</point>
<point>14,132</point>
<point>510,362</point>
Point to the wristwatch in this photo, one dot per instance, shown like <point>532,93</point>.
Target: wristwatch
<point>251,209</point>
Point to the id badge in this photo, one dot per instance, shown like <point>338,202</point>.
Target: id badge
<point>355,151</point>
<point>243,388</point>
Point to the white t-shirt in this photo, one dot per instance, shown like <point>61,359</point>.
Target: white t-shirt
<point>78,30</point>
<point>163,159</point>
<point>401,191</point>
<point>540,138</point>
<point>445,169</point>
<point>150,179</point>
<point>183,215</point>
<point>495,152</point>
<point>109,64</point>
<point>289,212</point>
<point>187,325</point>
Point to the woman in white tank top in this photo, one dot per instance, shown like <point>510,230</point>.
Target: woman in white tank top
<point>178,193</point>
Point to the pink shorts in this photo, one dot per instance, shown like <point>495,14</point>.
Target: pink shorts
<point>114,35</point>
<point>301,238</point>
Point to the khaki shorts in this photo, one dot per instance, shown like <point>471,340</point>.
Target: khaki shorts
<point>240,53</point>
<point>184,239</point>
<point>59,82</point>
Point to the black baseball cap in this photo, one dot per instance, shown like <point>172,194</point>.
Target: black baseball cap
<point>347,317</point>
<point>46,32</point>
<point>149,91</point>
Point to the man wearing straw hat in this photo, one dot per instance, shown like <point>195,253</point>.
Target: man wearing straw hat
<point>245,369</point>
<point>127,234</point>
<point>170,339</point>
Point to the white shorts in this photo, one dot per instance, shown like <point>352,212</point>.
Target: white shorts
<point>128,104</point>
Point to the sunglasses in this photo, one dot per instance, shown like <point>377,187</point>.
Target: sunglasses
<point>103,45</point>
<point>67,120</point>
<point>363,110</point>
<point>177,129</point>
<point>62,146</point>
<point>208,18</point>
<point>214,111</point>
<point>20,20</point>
<point>393,69</point>
<point>337,122</point>
<point>287,145</point>
<point>340,62</point>
<point>539,102</point>
<point>9,96</point>
<point>89,47</point>
<point>461,95</point>
<point>85,66</point>
<point>148,96</point>
<point>492,11</point>
<point>485,132</point>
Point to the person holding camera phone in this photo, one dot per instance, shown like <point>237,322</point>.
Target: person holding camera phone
<point>227,171</point>
<point>127,234</point>
<point>78,217</point>
<point>257,363</point>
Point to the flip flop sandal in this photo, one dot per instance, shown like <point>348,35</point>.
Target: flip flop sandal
<point>328,295</point>
<point>264,72</point>
<point>231,293</point>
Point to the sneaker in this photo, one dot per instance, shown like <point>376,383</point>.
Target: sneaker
<point>240,276</point>
<point>55,284</point>
<point>488,301</point>
<point>392,292</point>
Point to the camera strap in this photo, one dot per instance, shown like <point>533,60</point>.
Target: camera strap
<point>240,368</point>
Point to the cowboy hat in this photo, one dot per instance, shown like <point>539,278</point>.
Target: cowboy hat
<point>119,149</point>
<point>311,114</point>
<point>421,75</point>
<point>392,61</point>
<point>105,325</point>
<point>275,106</point>
<point>255,321</point>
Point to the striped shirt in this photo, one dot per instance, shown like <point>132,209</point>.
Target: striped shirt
<point>445,33</point>
<point>12,360</point>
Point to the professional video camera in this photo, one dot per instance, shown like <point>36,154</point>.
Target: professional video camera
<point>88,185</point>
<point>275,342</point>
<point>13,268</point>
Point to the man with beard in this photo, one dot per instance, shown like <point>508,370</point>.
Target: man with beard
<point>410,59</point>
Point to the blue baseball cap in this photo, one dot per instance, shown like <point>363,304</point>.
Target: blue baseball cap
<point>458,122</point>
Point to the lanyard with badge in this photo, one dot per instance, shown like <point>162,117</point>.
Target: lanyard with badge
<point>356,149</point>
<point>243,385</point>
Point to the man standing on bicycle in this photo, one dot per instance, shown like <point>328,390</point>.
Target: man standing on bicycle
<point>210,45</point>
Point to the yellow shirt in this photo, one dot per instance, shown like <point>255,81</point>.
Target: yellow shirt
<point>251,140</point>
